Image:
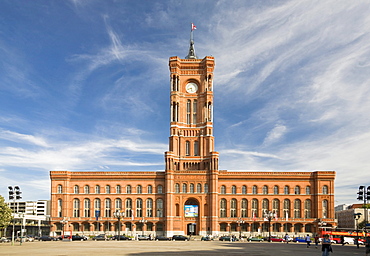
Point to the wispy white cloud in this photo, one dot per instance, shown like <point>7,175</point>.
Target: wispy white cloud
<point>23,138</point>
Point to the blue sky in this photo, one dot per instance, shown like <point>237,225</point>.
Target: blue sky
<point>84,85</point>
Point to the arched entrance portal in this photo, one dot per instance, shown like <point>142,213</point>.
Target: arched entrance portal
<point>191,213</point>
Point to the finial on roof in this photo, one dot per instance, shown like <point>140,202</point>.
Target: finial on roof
<point>191,54</point>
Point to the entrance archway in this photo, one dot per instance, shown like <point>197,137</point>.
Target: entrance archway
<point>191,214</point>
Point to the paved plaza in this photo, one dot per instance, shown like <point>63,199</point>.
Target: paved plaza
<point>171,248</point>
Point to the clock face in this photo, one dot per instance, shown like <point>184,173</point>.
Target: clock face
<point>191,87</point>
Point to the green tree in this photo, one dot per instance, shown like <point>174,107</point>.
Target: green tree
<point>5,214</point>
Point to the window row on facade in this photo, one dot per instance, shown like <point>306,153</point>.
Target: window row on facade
<point>232,208</point>
<point>276,190</point>
<point>192,188</point>
<point>280,209</point>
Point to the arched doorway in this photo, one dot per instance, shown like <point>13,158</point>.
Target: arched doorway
<point>191,213</point>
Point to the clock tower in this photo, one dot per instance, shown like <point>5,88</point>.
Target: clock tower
<point>191,157</point>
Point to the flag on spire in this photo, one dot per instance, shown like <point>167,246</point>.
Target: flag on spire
<point>193,27</point>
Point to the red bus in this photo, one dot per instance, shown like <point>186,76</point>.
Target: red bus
<point>336,235</point>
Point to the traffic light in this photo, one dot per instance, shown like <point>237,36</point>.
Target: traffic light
<point>18,193</point>
<point>11,193</point>
<point>368,193</point>
<point>360,193</point>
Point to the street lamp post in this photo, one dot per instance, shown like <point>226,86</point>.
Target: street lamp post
<point>364,195</point>
<point>269,215</point>
<point>14,194</point>
<point>357,216</point>
<point>119,215</point>
<point>240,222</point>
<point>143,221</point>
<point>64,222</point>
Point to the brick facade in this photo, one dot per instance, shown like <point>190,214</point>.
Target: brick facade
<point>155,202</point>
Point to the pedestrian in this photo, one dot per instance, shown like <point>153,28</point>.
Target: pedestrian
<point>317,240</point>
<point>287,238</point>
<point>326,246</point>
<point>342,240</point>
<point>367,245</point>
<point>308,240</point>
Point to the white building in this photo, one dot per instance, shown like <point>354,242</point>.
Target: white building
<point>30,216</point>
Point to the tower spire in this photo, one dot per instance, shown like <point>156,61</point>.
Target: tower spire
<point>191,53</point>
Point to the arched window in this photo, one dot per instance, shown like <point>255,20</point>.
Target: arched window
<point>276,190</point>
<point>160,189</point>
<point>233,208</point>
<point>139,189</point>
<point>128,205</point>
<point>244,208</point>
<point>206,188</point>
<point>139,207</point>
<point>149,207</point>
<point>177,188</point>
<point>223,189</point>
<point>276,207</point>
<point>107,189</point>
<point>108,206</point>
<point>118,204</point>
<point>97,189</point>
<point>223,208</point>
<point>87,208</point>
<point>233,190</point>
<point>159,207</point>
<point>60,207</point>
<point>325,208</point>
<point>195,111</point>
<point>76,189</point>
<point>297,190</point>
<point>308,190</point>
<point>128,189</point>
<point>244,190</point>
<point>184,188</point>
<point>76,208</point>
<point>196,148</point>
<point>297,208</point>
<point>265,206</point>
<point>191,188</point>
<point>188,111</point>
<point>118,189</point>
<point>307,208</point>
<point>265,190</point>
<point>199,188</point>
<point>254,208</point>
<point>286,208</point>
<point>325,190</point>
<point>60,189</point>
<point>187,148</point>
<point>97,205</point>
<point>286,190</point>
<point>150,189</point>
<point>87,189</point>
<point>254,190</point>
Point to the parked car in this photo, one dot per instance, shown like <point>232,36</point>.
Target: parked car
<point>47,238</point>
<point>299,239</point>
<point>162,238</point>
<point>100,237</point>
<point>121,237</point>
<point>4,240</point>
<point>206,238</point>
<point>180,238</point>
<point>255,239</point>
<point>275,239</point>
<point>227,238</point>
<point>24,239</point>
<point>79,238</point>
<point>143,237</point>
